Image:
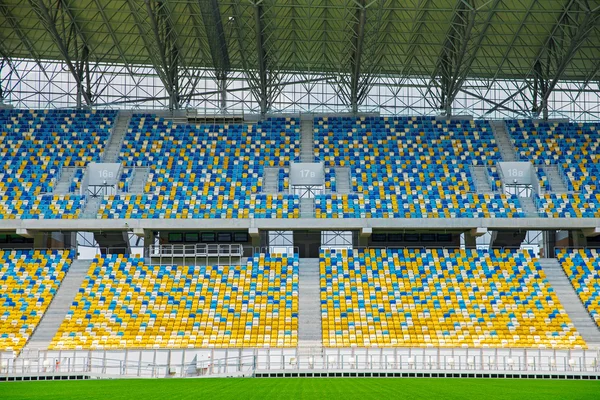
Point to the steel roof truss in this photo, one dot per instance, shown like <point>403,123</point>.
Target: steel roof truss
<point>454,51</point>
<point>49,19</point>
<point>572,29</point>
<point>113,35</point>
<point>148,32</point>
<point>213,26</point>
<point>16,27</point>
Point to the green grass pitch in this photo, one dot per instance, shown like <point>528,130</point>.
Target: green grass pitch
<point>302,388</point>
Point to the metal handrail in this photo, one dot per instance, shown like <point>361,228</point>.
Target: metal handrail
<point>195,250</point>
<point>272,249</point>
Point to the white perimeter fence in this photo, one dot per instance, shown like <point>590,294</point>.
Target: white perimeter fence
<point>246,362</point>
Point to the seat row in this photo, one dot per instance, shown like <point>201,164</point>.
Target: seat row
<point>200,206</point>
<point>42,207</point>
<point>568,205</point>
<point>418,206</point>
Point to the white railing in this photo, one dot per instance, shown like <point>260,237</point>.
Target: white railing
<point>146,364</point>
<point>195,250</point>
<point>237,362</point>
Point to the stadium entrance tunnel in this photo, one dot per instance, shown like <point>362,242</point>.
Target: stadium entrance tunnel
<point>113,242</point>
<point>508,238</point>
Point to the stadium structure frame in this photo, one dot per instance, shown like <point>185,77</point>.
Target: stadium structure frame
<point>487,58</point>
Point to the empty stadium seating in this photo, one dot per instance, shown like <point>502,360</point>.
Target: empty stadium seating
<point>569,205</point>
<point>207,171</point>
<point>125,303</point>
<point>403,140</point>
<point>42,207</point>
<point>563,143</point>
<point>34,147</point>
<point>409,167</point>
<point>28,281</point>
<point>469,205</point>
<point>159,206</point>
<point>582,266</point>
<point>572,147</point>
<point>445,298</point>
<point>400,167</point>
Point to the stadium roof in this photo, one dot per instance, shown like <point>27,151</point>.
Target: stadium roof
<point>440,42</point>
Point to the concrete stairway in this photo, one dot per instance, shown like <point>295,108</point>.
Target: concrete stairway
<point>503,141</point>
<point>59,307</point>
<point>307,207</point>
<point>307,153</point>
<point>91,207</point>
<point>481,179</point>
<point>270,180</point>
<point>111,154</point>
<point>571,302</point>
<point>342,180</point>
<point>309,303</point>
<point>66,178</point>
<point>137,182</point>
<point>557,183</point>
<point>528,206</point>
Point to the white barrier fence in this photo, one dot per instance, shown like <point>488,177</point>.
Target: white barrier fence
<point>238,362</point>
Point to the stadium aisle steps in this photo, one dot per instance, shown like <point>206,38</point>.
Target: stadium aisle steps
<point>307,207</point>
<point>528,206</point>
<point>503,139</point>
<point>66,179</point>
<point>117,136</point>
<point>271,181</point>
<point>91,208</point>
<point>570,301</point>
<point>56,312</point>
<point>306,140</point>
<point>556,182</point>
<point>342,177</point>
<point>481,179</point>
<point>309,307</point>
<point>137,183</point>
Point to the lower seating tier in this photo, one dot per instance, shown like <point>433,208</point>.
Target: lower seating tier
<point>126,303</point>
<point>440,298</point>
<point>29,280</point>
